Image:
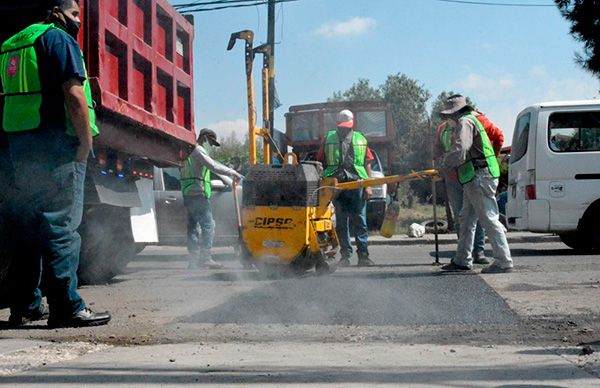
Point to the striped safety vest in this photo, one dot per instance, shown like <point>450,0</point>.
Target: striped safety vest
<point>333,157</point>
<point>20,75</point>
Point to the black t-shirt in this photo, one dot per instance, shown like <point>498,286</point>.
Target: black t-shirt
<point>59,60</point>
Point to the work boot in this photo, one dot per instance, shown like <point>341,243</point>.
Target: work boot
<point>16,320</point>
<point>83,318</point>
<point>481,260</point>
<point>494,268</point>
<point>364,261</point>
<point>452,267</point>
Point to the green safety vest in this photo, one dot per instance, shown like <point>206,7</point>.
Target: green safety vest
<point>466,171</point>
<point>332,154</point>
<point>188,178</point>
<point>446,137</point>
<point>21,82</point>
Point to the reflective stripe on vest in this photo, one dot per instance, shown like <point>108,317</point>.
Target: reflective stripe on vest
<point>188,178</point>
<point>466,172</point>
<point>19,71</point>
<point>332,154</point>
<point>446,137</point>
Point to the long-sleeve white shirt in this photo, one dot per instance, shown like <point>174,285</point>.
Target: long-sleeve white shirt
<point>199,158</point>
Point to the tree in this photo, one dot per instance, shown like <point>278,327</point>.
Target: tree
<point>585,27</point>
<point>233,152</point>
<point>438,106</point>
<point>360,91</point>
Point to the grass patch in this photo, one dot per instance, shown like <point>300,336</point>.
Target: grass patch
<point>418,214</point>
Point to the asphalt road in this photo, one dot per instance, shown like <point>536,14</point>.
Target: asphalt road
<point>165,313</point>
<point>385,295</point>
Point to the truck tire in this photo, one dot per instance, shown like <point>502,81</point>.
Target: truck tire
<point>106,243</point>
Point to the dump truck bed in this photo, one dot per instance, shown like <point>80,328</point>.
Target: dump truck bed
<point>139,59</point>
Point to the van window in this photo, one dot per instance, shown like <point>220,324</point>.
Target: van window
<point>574,131</point>
<point>520,137</point>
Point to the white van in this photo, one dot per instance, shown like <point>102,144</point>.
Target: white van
<point>554,172</point>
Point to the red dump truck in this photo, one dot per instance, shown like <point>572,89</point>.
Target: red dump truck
<point>139,60</point>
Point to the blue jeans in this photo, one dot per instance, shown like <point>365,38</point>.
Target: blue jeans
<point>454,192</point>
<point>351,215</point>
<point>47,212</point>
<point>200,227</point>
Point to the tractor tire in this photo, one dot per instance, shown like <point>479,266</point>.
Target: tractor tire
<point>442,226</point>
<point>107,243</point>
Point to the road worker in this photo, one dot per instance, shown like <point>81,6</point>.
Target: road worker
<point>49,123</point>
<point>196,189</point>
<point>473,158</point>
<point>346,156</point>
<point>454,190</point>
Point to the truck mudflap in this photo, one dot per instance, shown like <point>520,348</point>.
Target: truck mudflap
<point>136,195</point>
<point>143,217</point>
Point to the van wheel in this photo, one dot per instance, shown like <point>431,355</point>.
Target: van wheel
<point>588,233</point>
<point>576,241</point>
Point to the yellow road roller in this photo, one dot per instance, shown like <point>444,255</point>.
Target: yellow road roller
<point>285,218</point>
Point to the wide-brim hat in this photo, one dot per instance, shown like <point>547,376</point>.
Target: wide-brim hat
<point>455,104</point>
<point>210,135</point>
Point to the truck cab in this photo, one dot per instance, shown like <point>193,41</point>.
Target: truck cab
<point>554,172</point>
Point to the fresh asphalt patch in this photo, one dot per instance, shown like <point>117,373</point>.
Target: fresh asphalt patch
<point>368,298</point>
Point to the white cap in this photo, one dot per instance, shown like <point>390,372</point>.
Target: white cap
<point>345,117</point>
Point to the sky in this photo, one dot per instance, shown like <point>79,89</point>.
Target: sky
<point>503,58</point>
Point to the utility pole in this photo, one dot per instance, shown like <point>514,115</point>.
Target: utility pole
<point>271,43</point>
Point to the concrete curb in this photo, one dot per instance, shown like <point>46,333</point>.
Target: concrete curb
<point>451,239</point>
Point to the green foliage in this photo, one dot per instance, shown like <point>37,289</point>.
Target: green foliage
<point>233,152</point>
<point>438,106</point>
<point>407,101</point>
<point>360,91</point>
<point>585,27</point>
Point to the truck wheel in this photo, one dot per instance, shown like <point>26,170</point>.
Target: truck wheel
<point>576,241</point>
<point>106,243</point>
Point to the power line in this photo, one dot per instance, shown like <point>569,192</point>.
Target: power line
<point>497,4</point>
<point>197,6</point>
<point>209,2</point>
